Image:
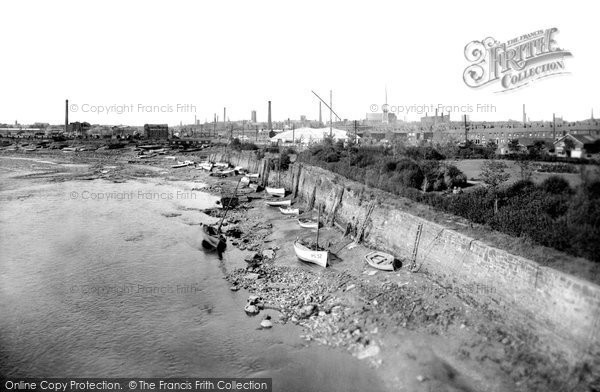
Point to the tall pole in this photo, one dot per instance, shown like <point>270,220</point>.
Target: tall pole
<point>466,129</point>
<point>330,113</point>
<point>554,126</point>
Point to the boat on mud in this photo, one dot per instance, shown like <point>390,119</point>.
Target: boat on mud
<point>212,239</point>
<point>289,211</point>
<point>380,260</point>
<point>279,203</point>
<point>319,257</point>
<point>223,173</point>
<point>182,164</point>
<point>205,166</point>
<point>278,192</point>
<point>308,223</point>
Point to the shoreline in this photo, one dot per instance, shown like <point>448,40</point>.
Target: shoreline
<point>417,334</point>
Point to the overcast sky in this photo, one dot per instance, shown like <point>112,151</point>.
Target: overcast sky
<point>240,54</point>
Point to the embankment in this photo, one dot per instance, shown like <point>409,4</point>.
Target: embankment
<point>561,310</point>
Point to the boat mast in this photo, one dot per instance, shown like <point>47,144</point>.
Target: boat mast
<point>318,221</point>
<point>228,204</point>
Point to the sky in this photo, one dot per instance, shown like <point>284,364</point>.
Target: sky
<point>174,61</point>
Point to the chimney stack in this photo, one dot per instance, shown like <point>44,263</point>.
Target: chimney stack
<point>224,115</point>
<point>320,115</point>
<point>524,116</point>
<point>66,115</point>
<point>270,124</point>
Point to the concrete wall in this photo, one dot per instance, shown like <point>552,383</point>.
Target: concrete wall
<point>559,308</point>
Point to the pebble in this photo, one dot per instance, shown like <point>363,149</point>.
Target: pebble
<point>367,352</point>
<point>251,309</point>
<point>266,323</point>
<point>421,378</point>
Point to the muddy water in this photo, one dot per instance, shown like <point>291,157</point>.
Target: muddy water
<point>103,279</point>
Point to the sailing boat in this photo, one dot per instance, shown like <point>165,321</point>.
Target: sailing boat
<point>316,256</point>
<point>211,237</point>
<point>278,192</point>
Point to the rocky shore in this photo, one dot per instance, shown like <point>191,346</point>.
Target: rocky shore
<point>419,335</point>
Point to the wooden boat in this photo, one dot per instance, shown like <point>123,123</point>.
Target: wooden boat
<point>222,165</point>
<point>289,211</point>
<point>228,202</point>
<point>205,166</point>
<point>277,203</point>
<point>380,260</point>
<point>223,173</point>
<point>311,256</point>
<point>181,164</point>
<point>308,223</point>
<point>279,192</point>
<point>211,239</point>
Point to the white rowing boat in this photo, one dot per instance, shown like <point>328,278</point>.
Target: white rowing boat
<point>211,239</point>
<point>380,260</point>
<point>279,192</point>
<point>308,223</point>
<point>311,256</point>
<point>278,203</point>
<point>289,211</point>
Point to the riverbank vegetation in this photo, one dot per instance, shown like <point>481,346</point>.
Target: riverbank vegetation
<point>551,213</point>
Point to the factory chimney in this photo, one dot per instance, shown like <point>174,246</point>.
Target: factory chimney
<point>66,115</point>
<point>269,118</point>
<point>320,115</point>
<point>224,115</point>
<point>524,116</point>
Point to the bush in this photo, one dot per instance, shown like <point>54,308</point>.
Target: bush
<point>556,185</point>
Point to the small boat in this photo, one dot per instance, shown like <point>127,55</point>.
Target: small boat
<point>228,202</point>
<point>31,149</point>
<point>277,203</point>
<point>148,156</point>
<point>205,166</point>
<point>279,192</point>
<point>180,164</point>
<point>380,260</point>
<point>252,175</point>
<point>211,239</point>
<point>245,181</point>
<point>311,256</point>
<point>308,223</point>
<point>222,165</point>
<point>289,211</point>
<point>240,169</point>
<point>223,173</point>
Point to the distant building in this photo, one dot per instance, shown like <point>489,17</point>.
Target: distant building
<point>156,131</point>
<point>578,147</point>
<point>253,116</point>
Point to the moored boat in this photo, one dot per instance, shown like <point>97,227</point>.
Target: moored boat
<point>278,203</point>
<point>279,192</point>
<point>380,260</point>
<point>252,175</point>
<point>311,256</point>
<point>223,173</point>
<point>211,239</point>
<point>289,211</point>
<point>308,223</point>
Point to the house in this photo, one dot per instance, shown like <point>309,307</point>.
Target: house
<point>576,146</point>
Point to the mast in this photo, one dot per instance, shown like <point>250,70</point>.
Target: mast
<point>228,204</point>
<point>318,224</point>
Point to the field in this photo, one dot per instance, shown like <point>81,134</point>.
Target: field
<point>472,169</point>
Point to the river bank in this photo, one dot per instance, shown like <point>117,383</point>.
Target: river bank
<point>415,333</point>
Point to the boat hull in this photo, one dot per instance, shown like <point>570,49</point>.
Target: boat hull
<point>211,240</point>
<point>311,256</point>
<point>380,260</point>
<point>307,224</point>
<point>279,192</point>
<point>289,211</point>
<point>278,203</point>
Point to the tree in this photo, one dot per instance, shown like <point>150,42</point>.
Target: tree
<point>493,174</point>
<point>525,168</point>
<point>513,145</point>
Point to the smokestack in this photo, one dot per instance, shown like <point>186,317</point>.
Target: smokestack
<point>320,115</point>
<point>524,116</point>
<point>270,124</point>
<point>224,114</point>
<point>66,115</point>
